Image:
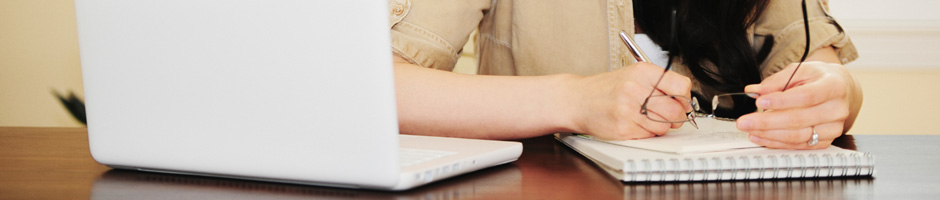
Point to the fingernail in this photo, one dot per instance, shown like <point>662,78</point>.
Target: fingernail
<point>763,103</point>
<point>744,124</point>
<point>753,95</point>
<point>752,87</point>
<point>755,139</point>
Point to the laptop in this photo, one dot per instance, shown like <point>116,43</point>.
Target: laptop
<point>293,91</point>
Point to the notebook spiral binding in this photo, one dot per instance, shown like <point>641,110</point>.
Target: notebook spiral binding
<point>749,167</point>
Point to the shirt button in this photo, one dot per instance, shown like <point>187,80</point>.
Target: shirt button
<point>398,10</point>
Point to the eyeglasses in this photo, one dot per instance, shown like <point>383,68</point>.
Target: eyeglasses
<point>667,108</point>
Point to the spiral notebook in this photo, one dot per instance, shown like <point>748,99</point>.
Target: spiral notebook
<point>630,164</point>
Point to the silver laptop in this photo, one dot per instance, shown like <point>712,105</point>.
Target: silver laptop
<point>296,91</point>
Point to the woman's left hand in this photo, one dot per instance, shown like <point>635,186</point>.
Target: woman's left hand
<point>816,100</point>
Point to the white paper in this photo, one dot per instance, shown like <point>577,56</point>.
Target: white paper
<point>711,136</point>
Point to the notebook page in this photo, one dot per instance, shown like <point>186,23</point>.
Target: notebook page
<point>711,136</point>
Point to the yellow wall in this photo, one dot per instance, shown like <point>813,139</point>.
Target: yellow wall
<point>38,54</point>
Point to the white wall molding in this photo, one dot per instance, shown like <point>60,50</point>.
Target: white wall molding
<point>895,43</point>
<point>892,34</point>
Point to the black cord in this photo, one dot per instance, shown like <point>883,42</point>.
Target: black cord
<point>73,104</point>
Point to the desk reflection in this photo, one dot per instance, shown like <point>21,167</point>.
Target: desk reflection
<point>125,184</point>
<point>859,188</point>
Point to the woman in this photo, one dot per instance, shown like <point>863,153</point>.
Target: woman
<point>572,73</point>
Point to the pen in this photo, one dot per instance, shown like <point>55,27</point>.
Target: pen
<point>634,49</point>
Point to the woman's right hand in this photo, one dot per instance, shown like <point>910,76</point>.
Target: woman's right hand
<point>607,105</point>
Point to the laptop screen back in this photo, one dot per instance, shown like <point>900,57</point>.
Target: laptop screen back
<point>283,89</point>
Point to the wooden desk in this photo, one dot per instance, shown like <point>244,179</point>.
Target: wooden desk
<point>54,163</point>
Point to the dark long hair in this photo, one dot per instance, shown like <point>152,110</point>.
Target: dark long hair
<point>707,31</point>
<point>714,30</point>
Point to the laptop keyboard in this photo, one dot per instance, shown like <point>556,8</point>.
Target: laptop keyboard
<point>408,157</point>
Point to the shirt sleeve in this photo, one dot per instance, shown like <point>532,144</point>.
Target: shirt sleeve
<point>782,24</point>
<point>430,33</point>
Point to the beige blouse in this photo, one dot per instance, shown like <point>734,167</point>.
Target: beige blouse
<point>541,37</point>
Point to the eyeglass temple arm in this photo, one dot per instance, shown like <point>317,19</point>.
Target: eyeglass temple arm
<point>805,51</point>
